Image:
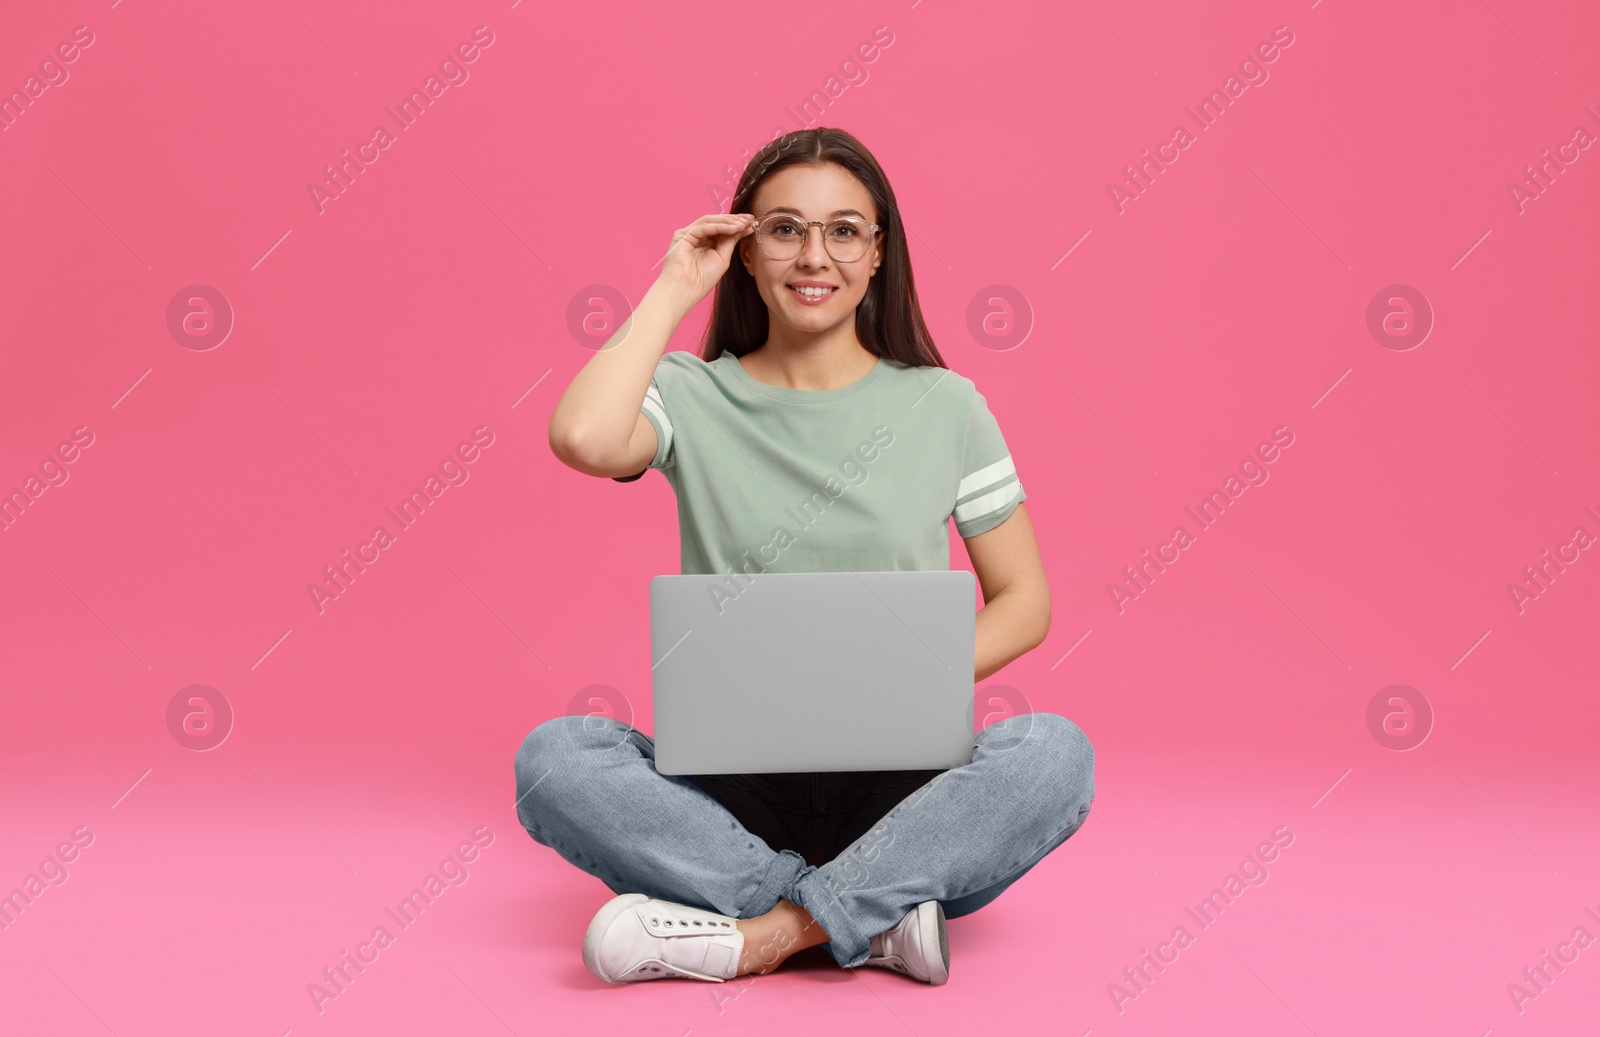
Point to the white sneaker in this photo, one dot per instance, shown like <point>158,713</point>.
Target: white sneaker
<point>917,946</point>
<point>636,937</point>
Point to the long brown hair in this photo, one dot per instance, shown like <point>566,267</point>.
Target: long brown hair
<point>888,320</point>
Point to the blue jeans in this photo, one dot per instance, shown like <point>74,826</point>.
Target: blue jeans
<point>587,787</point>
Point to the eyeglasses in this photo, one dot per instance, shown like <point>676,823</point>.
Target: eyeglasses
<point>782,235</point>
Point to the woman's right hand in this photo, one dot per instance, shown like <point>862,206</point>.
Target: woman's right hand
<point>702,251</point>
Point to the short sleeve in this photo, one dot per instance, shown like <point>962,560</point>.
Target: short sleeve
<point>655,410</point>
<point>989,490</point>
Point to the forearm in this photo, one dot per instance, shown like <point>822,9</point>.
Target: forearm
<point>597,412</point>
<point>1009,625</point>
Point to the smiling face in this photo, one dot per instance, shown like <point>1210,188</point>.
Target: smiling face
<point>813,193</point>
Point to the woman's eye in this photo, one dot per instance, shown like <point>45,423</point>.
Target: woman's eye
<point>845,230</point>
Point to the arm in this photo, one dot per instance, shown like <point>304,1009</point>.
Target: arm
<point>1016,598</point>
<point>596,426</point>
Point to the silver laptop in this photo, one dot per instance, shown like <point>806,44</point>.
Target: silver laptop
<point>760,673</point>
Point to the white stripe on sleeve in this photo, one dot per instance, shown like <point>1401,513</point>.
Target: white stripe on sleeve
<point>989,502</point>
<point>985,477</point>
<point>657,410</point>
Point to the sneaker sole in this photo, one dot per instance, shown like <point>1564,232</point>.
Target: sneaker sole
<point>935,941</point>
<point>597,930</point>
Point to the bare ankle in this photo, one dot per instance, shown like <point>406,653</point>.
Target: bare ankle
<point>800,917</point>
<point>771,938</point>
<point>763,945</point>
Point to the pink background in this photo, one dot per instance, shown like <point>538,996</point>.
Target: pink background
<point>1163,343</point>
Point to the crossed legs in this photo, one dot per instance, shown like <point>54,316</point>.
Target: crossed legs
<point>587,787</point>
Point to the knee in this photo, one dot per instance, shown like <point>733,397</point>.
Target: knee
<point>539,754</point>
<point>553,747</point>
<point>1066,756</point>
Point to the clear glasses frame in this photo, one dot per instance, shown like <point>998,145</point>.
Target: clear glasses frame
<point>869,230</point>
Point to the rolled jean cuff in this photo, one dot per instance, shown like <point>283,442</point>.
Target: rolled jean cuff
<point>779,877</point>
<point>848,947</point>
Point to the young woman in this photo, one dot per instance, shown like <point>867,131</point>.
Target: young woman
<point>818,382</point>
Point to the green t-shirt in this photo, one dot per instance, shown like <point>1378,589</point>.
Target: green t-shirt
<point>865,477</point>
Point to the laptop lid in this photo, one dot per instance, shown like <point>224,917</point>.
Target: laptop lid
<point>812,671</point>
